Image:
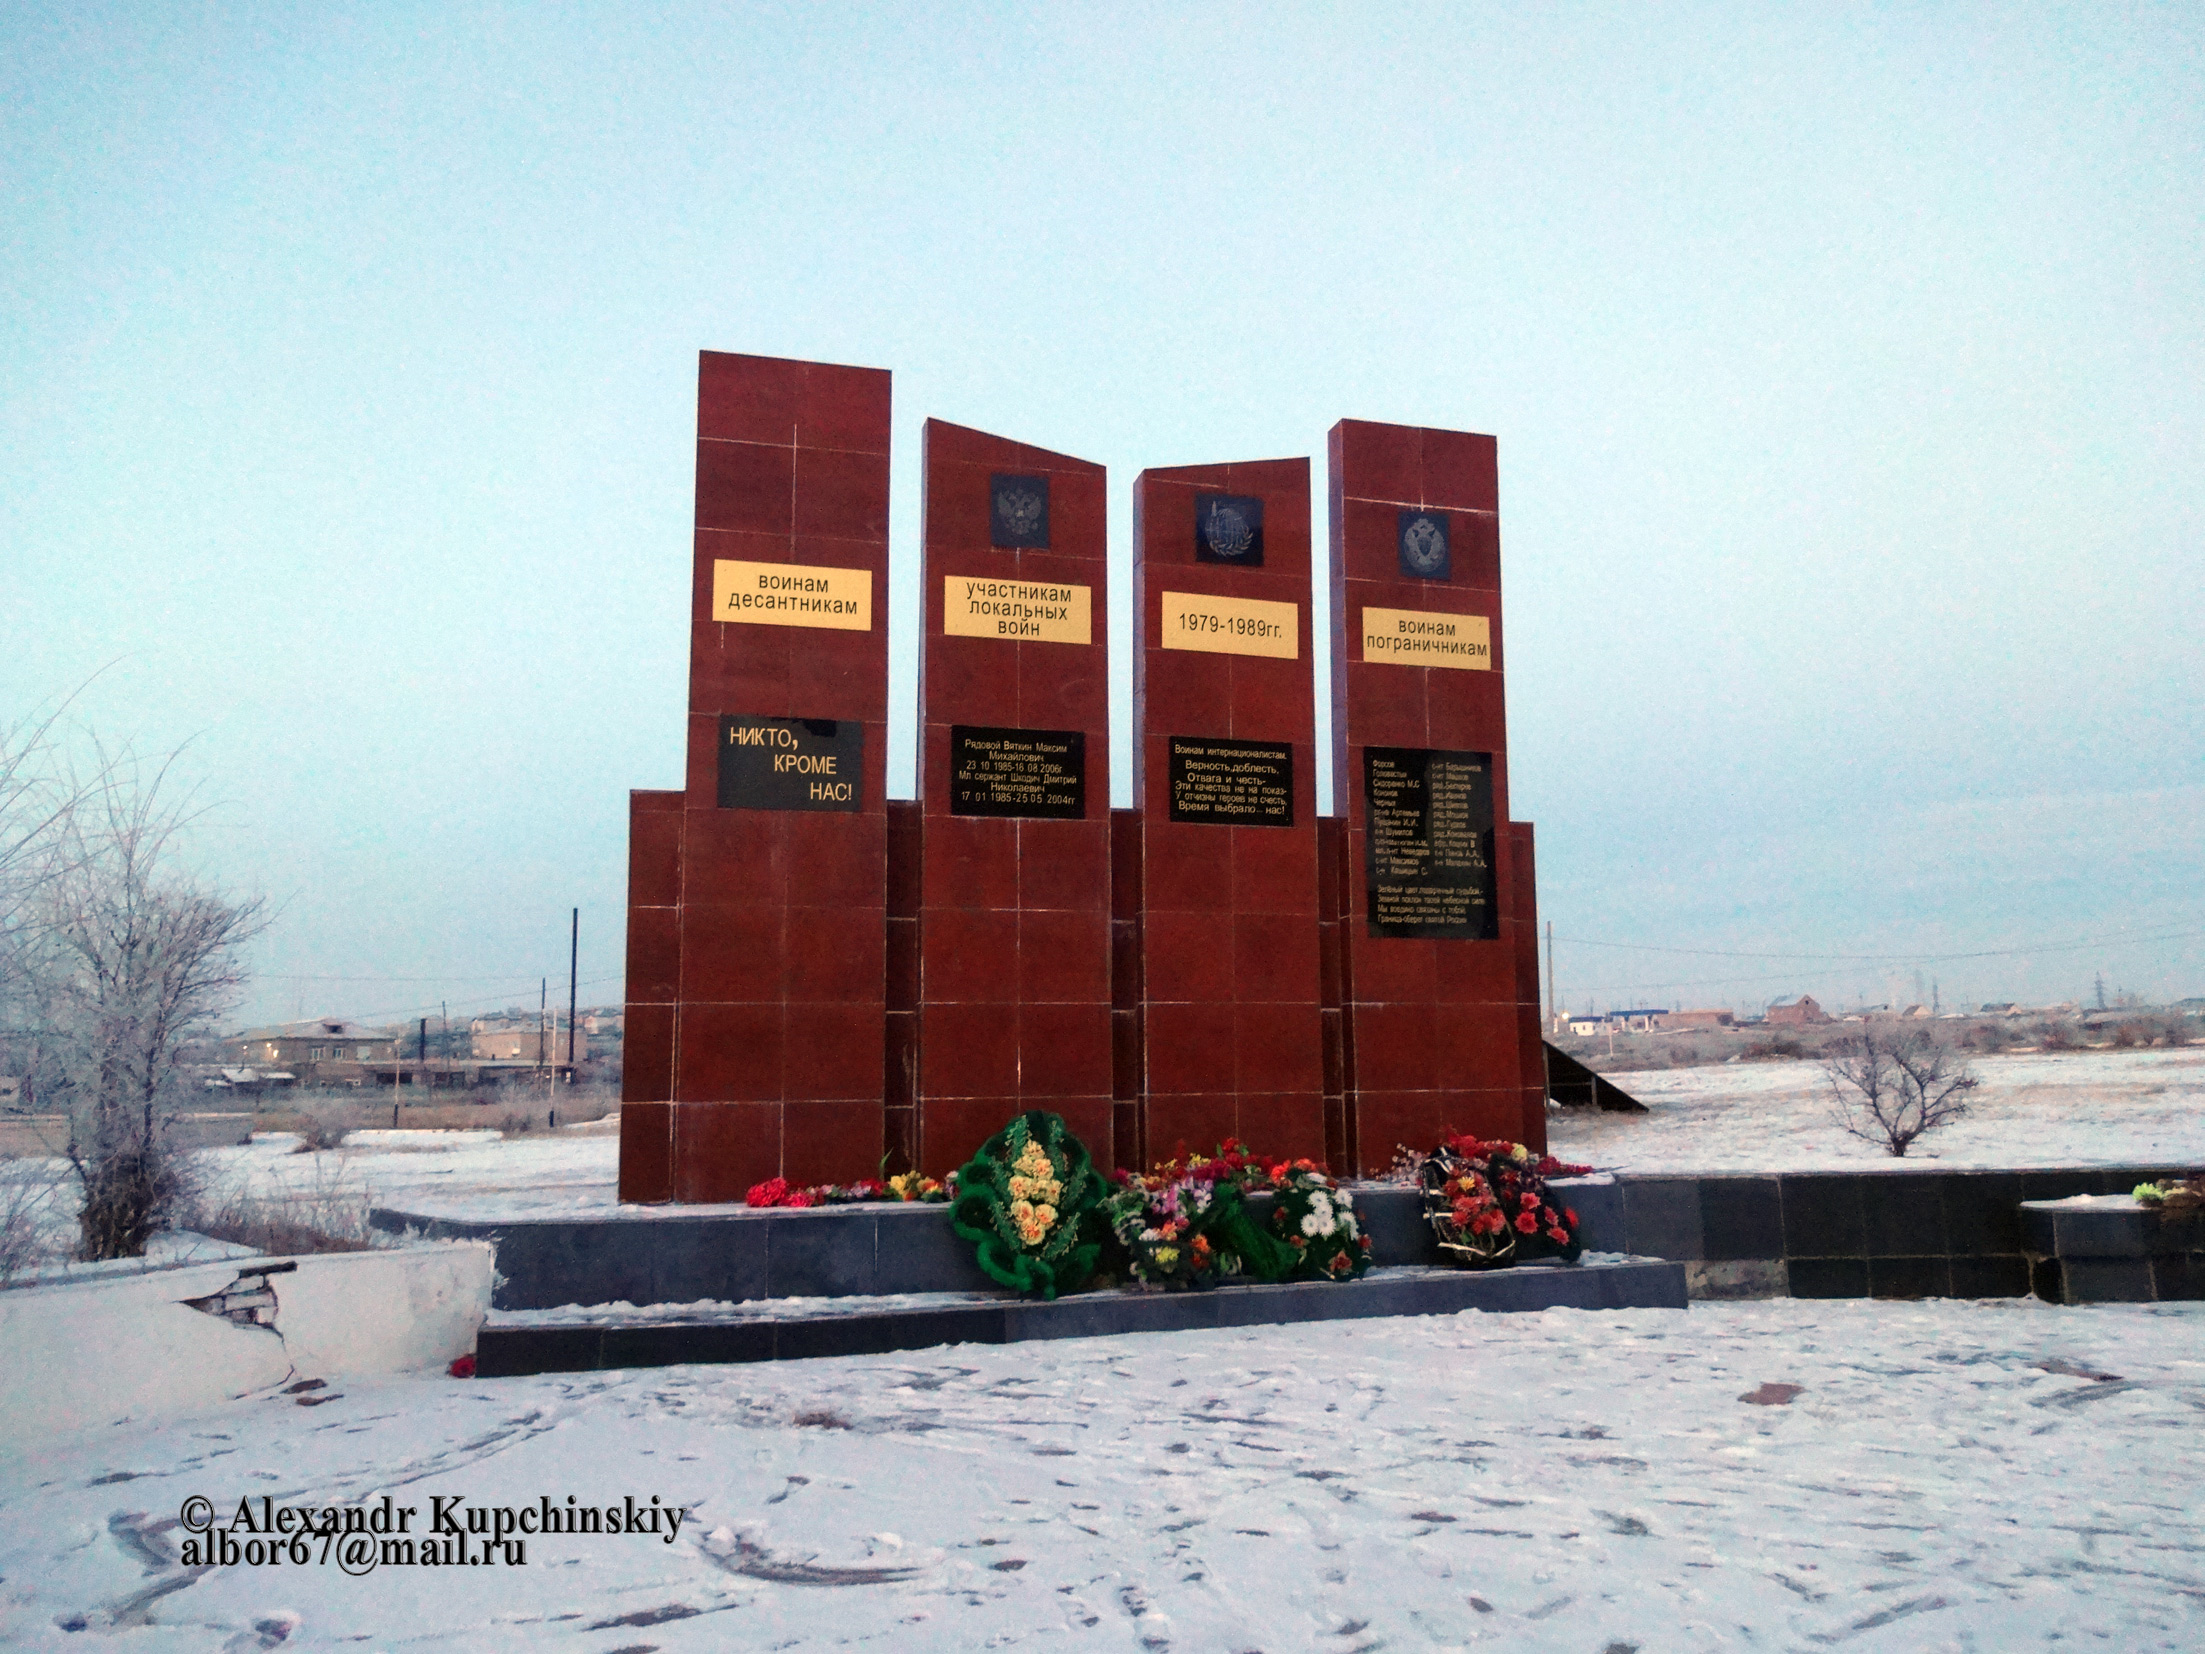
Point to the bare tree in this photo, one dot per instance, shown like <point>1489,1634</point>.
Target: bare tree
<point>1893,1084</point>
<point>128,957</point>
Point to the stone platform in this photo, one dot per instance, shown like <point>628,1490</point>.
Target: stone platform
<point>626,1341</point>
<point>2109,1249</point>
<point>684,1254</point>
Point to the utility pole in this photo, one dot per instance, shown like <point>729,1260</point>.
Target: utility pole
<point>543,1004</point>
<point>1554,1006</point>
<point>574,954</point>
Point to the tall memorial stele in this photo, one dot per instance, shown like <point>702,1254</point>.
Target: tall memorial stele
<point>999,958</point>
<point>757,893</point>
<point>1430,887</point>
<point>1217,873</point>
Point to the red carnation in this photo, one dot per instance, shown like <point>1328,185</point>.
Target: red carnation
<point>1528,1202</point>
<point>1560,1237</point>
<point>1570,1212</point>
<point>1528,1222</point>
<point>773,1192</point>
<point>462,1367</point>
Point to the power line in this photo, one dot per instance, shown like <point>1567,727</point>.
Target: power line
<point>312,976</point>
<point>468,1005</point>
<point>2119,939</point>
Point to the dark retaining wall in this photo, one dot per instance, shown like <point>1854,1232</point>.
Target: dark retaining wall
<point>2113,1255</point>
<point>1897,1233</point>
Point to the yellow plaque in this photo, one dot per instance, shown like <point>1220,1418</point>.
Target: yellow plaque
<point>792,594</point>
<point>1231,625</point>
<point>1421,637</point>
<point>1025,611</point>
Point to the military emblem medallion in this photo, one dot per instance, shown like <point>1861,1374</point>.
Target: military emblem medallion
<point>1018,512</point>
<point>1424,550</point>
<point>1228,528</point>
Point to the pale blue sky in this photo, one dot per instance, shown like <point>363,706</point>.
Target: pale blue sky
<point>1846,365</point>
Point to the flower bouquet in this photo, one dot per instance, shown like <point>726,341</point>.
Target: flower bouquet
<point>1164,1231</point>
<point>1464,1212</point>
<point>1316,1217</point>
<point>1192,1231</point>
<point>1487,1202</point>
<point>2174,1196</point>
<point>1028,1202</point>
<point>779,1191</point>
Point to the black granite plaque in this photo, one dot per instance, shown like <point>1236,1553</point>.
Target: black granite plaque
<point>1018,512</point>
<point>1232,783</point>
<point>1017,772</point>
<point>1228,528</point>
<point>792,764</point>
<point>1424,551</point>
<point>1428,853</point>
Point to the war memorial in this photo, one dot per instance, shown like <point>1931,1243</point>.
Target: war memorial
<point>820,976</point>
<point>1056,1062</point>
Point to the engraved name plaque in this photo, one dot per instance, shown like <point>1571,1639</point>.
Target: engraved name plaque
<point>1428,853</point>
<point>1017,772</point>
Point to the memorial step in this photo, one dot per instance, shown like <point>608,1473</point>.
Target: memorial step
<point>517,1344</point>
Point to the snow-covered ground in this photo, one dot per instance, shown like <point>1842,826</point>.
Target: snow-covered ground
<point>2098,1108</point>
<point>1988,1476</point>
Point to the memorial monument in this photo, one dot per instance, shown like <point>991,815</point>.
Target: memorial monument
<point>822,981</point>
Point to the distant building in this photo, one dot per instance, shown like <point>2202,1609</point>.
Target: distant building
<point>298,1044</point>
<point>1697,1019</point>
<point>1642,1021</point>
<point>1798,1013</point>
<point>524,1039</point>
<point>2000,1008</point>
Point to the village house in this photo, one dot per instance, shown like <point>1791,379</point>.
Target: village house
<point>1800,1012</point>
<point>1674,1020</point>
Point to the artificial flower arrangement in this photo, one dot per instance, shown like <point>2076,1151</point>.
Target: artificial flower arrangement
<point>1191,1231</point>
<point>906,1186</point>
<point>1316,1217</point>
<point>1030,1202</point>
<point>2173,1196</point>
<point>1188,1224</point>
<point>1488,1202</point>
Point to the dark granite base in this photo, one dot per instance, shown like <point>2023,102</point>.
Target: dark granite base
<point>1902,1232</point>
<point>657,1255</point>
<point>2114,1254</point>
<point>1890,1232</point>
<point>503,1352</point>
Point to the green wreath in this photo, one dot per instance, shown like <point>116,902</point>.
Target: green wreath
<point>1029,1203</point>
